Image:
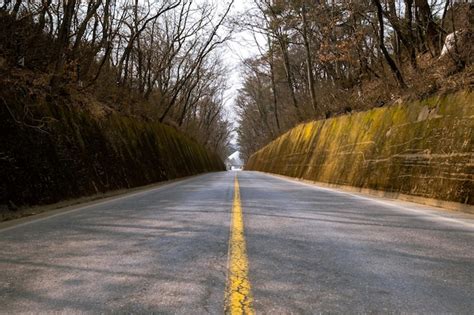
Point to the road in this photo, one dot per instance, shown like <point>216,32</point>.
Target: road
<point>298,247</point>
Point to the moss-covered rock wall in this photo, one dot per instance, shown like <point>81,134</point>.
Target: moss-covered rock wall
<point>52,148</point>
<point>422,148</point>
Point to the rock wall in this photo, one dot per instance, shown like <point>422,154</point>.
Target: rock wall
<point>52,149</point>
<point>422,148</point>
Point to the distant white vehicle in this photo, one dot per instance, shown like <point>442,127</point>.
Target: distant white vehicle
<point>234,162</point>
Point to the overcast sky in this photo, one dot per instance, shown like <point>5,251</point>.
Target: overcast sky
<point>233,52</point>
<point>241,46</point>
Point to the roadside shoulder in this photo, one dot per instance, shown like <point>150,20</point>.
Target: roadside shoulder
<point>384,195</point>
<point>27,214</point>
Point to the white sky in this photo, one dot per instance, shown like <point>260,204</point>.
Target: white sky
<point>233,52</point>
<point>241,46</point>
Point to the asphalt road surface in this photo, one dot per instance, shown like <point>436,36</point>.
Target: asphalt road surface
<point>303,249</point>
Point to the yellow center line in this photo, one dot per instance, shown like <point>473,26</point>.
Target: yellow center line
<point>238,295</point>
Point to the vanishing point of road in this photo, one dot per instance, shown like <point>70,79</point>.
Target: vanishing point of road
<point>240,242</point>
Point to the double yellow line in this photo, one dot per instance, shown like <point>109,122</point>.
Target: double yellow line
<point>238,293</point>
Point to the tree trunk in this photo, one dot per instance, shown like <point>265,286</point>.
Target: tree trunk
<point>289,76</point>
<point>388,58</point>
<point>92,9</point>
<point>272,76</point>
<point>429,26</point>
<point>409,30</point>
<point>309,60</point>
<point>63,40</point>
<point>42,18</point>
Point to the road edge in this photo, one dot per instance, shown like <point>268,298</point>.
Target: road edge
<point>441,204</point>
<point>71,205</point>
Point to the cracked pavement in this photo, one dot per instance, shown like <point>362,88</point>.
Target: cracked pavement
<point>309,250</point>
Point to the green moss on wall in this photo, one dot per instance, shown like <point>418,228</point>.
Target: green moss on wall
<point>423,148</point>
<point>52,149</point>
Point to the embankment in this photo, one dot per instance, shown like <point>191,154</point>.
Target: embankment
<point>419,149</point>
<point>55,147</point>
